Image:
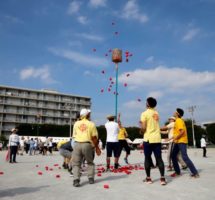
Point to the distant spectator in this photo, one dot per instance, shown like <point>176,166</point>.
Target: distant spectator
<point>13,144</point>
<point>22,145</point>
<point>203,145</point>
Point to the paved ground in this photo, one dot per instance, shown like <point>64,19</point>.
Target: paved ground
<point>21,181</point>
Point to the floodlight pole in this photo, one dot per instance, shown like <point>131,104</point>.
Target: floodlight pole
<point>191,110</point>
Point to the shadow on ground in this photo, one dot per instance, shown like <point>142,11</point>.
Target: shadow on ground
<point>20,190</point>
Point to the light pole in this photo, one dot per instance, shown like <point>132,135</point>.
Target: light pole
<point>70,118</point>
<point>38,121</point>
<point>191,110</point>
<point>116,58</point>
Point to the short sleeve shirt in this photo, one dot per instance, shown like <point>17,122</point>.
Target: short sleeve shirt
<point>152,133</point>
<point>112,129</point>
<point>84,130</point>
<point>122,134</point>
<point>180,125</point>
<point>170,127</point>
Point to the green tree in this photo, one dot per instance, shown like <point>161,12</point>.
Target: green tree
<point>198,131</point>
<point>210,128</point>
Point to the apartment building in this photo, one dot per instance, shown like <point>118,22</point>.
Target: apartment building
<point>26,106</point>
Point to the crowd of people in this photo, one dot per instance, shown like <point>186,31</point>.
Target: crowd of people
<point>85,143</point>
<point>26,145</point>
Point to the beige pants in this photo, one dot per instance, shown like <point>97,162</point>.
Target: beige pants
<point>180,159</point>
<point>80,151</point>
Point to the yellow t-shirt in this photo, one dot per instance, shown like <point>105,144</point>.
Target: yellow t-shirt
<point>84,130</point>
<point>180,125</point>
<point>122,134</point>
<point>152,133</point>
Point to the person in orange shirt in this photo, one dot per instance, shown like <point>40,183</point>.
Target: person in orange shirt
<point>180,144</point>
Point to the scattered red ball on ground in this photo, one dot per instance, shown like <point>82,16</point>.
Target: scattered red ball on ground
<point>37,165</point>
<point>40,173</point>
<point>1,173</point>
<point>106,186</point>
<point>57,176</point>
<point>99,174</point>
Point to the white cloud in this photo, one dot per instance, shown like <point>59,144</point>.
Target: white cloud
<point>82,20</point>
<point>150,59</point>
<point>97,3</point>
<point>88,73</point>
<point>135,105</point>
<point>79,58</point>
<point>172,79</point>
<point>95,38</point>
<point>190,34</point>
<point>74,7</point>
<point>155,94</point>
<point>131,11</point>
<point>13,19</point>
<point>42,73</point>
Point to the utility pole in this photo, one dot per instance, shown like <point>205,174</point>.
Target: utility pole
<point>191,110</point>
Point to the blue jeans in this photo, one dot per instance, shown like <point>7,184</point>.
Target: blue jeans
<point>183,148</point>
<point>156,149</point>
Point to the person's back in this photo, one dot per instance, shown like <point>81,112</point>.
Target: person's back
<point>112,129</point>
<point>152,133</point>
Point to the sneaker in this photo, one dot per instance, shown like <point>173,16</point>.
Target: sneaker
<point>163,181</point>
<point>126,160</point>
<point>76,183</point>
<point>184,168</point>
<point>116,165</point>
<point>175,175</point>
<point>148,180</point>
<point>195,175</point>
<point>71,174</point>
<point>91,181</point>
<point>107,169</point>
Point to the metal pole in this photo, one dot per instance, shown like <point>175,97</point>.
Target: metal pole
<point>194,140</point>
<point>191,110</point>
<point>116,92</point>
<point>70,127</point>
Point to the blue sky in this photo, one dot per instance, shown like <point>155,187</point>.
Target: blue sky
<point>49,44</point>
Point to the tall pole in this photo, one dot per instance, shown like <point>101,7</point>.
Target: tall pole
<point>70,119</point>
<point>116,92</point>
<point>191,110</point>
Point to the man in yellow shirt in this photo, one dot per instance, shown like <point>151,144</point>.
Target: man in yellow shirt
<point>152,139</point>
<point>122,141</point>
<point>86,138</point>
<point>180,144</point>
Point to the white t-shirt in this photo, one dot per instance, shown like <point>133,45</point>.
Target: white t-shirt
<point>112,129</point>
<point>13,140</point>
<point>203,142</point>
<point>170,127</point>
<point>22,143</point>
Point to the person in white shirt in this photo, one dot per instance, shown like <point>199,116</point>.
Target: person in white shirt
<point>113,146</point>
<point>13,145</point>
<point>203,145</point>
<point>22,145</point>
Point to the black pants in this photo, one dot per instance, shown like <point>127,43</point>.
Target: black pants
<point>124,144</point>
<point>204,151</point>
<point>13,152</point>
<point>156,149</point>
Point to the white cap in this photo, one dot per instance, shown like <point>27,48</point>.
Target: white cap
<point>84,112</point>
<point>173,118</point>
<point>13,130</point>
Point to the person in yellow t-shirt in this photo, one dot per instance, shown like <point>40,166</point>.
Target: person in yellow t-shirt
<point>152,139</point>
<point>122,135</point>
<point>86,139</point>
<point>180,144</point>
